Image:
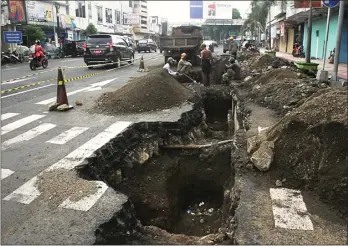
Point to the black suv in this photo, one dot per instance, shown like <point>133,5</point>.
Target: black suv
<point>146,45</point>
<point>107,48</point>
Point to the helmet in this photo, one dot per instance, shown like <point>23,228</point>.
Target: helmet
<point>183,55</point>
<point>170,60</point>
<point>38,42</point>
<point>231,38</point>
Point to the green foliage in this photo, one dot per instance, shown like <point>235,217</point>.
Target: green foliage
<point>34,33</point>
<point>90,30</point>
<point>236,14</point>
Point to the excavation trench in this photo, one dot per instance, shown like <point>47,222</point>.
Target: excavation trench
<point>177,189</point>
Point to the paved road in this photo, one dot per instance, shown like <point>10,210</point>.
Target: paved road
<point>34,140</point>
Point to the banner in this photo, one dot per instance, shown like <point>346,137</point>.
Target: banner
<point>305,4</point>
<point>217,10</point>
<point>196,9</point>
<point>39,11</point>
<point>16,11</point>
<point>131,19</point>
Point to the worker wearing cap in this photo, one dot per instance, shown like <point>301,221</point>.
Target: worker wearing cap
<point>166,67</point>
<point>184,66</point>
<point>206,57</point>
<point>233,48</point>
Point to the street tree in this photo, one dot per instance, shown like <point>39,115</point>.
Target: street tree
<point>33,33</point>
<point>91,29</point>
<point>236,14</point>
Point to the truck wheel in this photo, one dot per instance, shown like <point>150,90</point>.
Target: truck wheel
<point>224,51</point>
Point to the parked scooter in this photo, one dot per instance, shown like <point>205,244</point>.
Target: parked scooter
<point>298,50</point>
<point>15,57</point>
<point>332,56</point>
<point>5,58</point>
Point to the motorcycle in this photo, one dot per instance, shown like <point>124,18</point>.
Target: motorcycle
<point>298,50</point>
<point>34,62</point>
<point>332,56</point>
<point>15,57</point>
<point>5,58</point>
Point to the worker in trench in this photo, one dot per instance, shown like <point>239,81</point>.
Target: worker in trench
<point>184,66</point>
<point>233,47</point>
<point>207,59</point>
<point>167,66</point>
<point>233,71</point>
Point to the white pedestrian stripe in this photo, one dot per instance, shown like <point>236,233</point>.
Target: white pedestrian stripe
<point>28,192</point>
<point>8,116</point>
<point>289,210</point>
<point>86,203</point>
<point>5,173</point>
<point>98,84</point>
<point>29,134</point>
<point>66,136</point>
<point>19,123</point>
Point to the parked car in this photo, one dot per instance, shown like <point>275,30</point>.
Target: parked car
<point>107,48</point>
<point>68,48</point>
<point>146,45</point>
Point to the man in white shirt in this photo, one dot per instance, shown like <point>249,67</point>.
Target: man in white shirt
<point>170,61</point>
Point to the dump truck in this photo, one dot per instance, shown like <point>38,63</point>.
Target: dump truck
<point>183,39</point>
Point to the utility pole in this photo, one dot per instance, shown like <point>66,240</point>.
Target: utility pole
<point>338,40</point>
<point>54,26</point>
<point>58,28</point>
<point>309,34</point>
<point>269,28</point>
<point>326,35</point>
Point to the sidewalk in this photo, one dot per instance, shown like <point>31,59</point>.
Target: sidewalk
<point>342,68</point>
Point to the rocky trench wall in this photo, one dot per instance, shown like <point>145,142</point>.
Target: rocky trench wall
<point>115,161</point>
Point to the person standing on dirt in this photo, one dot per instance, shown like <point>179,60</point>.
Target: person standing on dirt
<point>233,47</point>
<point>184,66</point>
<point>206,57</point>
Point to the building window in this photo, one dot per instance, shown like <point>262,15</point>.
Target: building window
<point>100,13</point>
<point>118,16</point>
<point>143,22</point>
<point>130,3</point>
<point>90,10</point>
<point>81,9</point>
<point>108,15</point>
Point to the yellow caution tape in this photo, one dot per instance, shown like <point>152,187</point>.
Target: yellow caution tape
<point>26,86</point>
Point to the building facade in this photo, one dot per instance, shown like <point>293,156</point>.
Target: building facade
<point>141,30</point>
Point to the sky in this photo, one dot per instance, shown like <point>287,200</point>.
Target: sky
<point>179,11</point>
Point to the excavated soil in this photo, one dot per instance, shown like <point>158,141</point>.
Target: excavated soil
<point>310,147</point>
<point>156,90</point>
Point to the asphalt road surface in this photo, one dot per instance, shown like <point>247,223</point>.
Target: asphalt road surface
<point>34,139</point>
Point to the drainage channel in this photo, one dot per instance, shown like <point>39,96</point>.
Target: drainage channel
<point>178,177</point>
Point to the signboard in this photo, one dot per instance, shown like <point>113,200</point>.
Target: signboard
<point>16,11</point>
<point>131,19</point>
<point>305,4</point>
<point>282,29</point>
<point>217,10</point>
<point>39,11</point>
<point>196,9</point>
<point>331,3</point>
<point>13,37</point>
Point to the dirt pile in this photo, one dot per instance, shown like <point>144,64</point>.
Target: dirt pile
<point>155,91</point>
<point>310,147</point>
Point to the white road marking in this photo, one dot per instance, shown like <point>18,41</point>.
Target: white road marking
<point>19,123</point>
<point>66,136</point>
<point>260,129</point>
<point>7,69</point>
<point>15,81</point>
<point>53,99</point>
<point>5,173</point>
<point>8,116</point>
<point>95,89</point>
<point>289,210</point>
<point>72,60</point>
<point>29,134</point>
<point>22,92</point>
<point>28,192</point>
<point>87,202</point>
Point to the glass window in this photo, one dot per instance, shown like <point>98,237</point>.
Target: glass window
<point>100,39</point>
<point>118,16</point>
<point>100,13</point>
<point>108,15</point>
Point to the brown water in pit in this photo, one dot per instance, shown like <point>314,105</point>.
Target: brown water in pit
<point>181,192</point>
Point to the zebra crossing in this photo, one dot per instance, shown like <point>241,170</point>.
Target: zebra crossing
<point>29,192</point>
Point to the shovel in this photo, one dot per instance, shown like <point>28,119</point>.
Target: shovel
<point>194,81</point>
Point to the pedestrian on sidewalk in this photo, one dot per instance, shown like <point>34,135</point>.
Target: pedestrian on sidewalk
<point>206,57</point>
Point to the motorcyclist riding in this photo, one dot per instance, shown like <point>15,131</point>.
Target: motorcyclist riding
<point>39,52</point>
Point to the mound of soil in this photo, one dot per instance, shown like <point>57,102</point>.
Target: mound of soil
<point>310,147</point>
<point>156,90</point>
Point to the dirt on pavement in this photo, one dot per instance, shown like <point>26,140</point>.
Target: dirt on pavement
<point>154,91</point>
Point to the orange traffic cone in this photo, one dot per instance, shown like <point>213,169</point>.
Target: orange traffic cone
<point>141,65</point>
<point>62,98</point>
